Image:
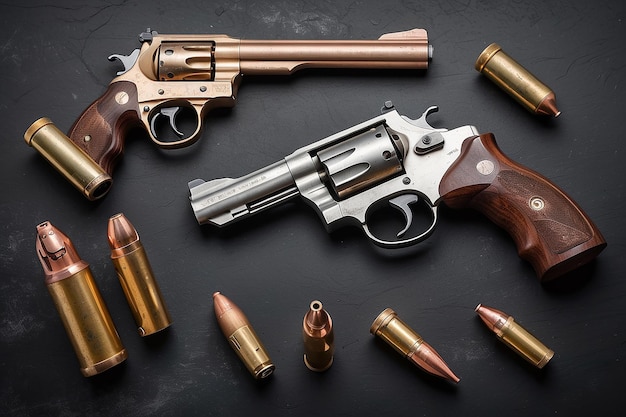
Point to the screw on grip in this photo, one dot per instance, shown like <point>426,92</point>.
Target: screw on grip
<point>549,229</point>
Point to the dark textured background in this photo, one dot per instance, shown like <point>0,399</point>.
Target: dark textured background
<point>53,63</point>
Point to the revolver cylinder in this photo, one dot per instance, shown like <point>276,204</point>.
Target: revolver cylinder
<point>340,166</point>
<point>220,57</point>
<point>67,158</point>
<point>361,161</point>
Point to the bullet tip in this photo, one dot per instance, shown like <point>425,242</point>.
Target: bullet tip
<point>478,307</point>
<point>122,234</point>
<point>216,293</point>
<point>548,106</point>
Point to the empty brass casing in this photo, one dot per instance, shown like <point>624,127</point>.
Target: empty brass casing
<point>136,276</point>
<point>515,336</point>
<point>242,337</point>
<point>79,303</point>
<point>409,344</point>
<point>67,158</point>
<point>518,82</point>
<point>318,338</point>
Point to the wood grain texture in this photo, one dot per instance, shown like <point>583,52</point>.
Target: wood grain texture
<point>550,230</point>
<point>101,129</point>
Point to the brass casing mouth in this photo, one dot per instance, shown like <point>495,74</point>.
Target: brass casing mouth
<point>67,158</point>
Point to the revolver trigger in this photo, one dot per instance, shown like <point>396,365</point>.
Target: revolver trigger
<point>127,61</point>
<point>170,113</point>
<point>402,203</point>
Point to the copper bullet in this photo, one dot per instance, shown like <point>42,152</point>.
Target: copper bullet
<point>79,303</point>
<point>242,337</point>
<point>408,343</point>
<point>318,338</point>
<point>515,336</point>
<point>517,81</point>
<point>136,276</point>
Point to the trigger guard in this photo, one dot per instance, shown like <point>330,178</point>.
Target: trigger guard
<point>403,243</point>
<point>176,144</point>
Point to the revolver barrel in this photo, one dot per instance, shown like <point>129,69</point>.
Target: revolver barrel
<point>225,200</point>
<point>400,50</point>
<point>220,57</point>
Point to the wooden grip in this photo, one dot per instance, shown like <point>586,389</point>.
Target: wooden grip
<point>550,230</point>
<point>101,130</point>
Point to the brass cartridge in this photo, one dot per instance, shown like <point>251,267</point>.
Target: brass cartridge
<point>516,80</point>
<point>318,338</point>
<point>67,158</point>
<point>515,336</point>
<point>79,303</point>
<point>136,276</point>
<point>411,345</point>
<point>242,337</point>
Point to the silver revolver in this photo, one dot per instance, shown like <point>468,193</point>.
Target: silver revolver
<point>393,159</point>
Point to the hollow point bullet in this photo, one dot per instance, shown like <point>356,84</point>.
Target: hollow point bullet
<point>411,345</point>
<point>515,336</point>
<point>136,277</point>
<point>516,81</point>
<point>242,337</point>
<point>318,338</point>
<point>84,314</point>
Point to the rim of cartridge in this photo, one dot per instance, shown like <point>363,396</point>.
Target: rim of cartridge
<point>383,318</point>
<point>486,55</point>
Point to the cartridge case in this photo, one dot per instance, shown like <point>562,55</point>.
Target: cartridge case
<point>517,81</point>
<point>389,327</point>
<point>515,336</point>
<point>136,276</point>
<point>318,337</point>
<point>67,158</point>
<point>242,337</point>
<point>79,303</point>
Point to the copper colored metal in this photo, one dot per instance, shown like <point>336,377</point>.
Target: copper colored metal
<point>401,50</point>
<point>411,345</point>
<point>136,276</point>
<point>517,81</point>
<point>79,303</point>
<point>318,337</point>
<point>220,57</point>
<point>515,336</point>
<point>242,337</point>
